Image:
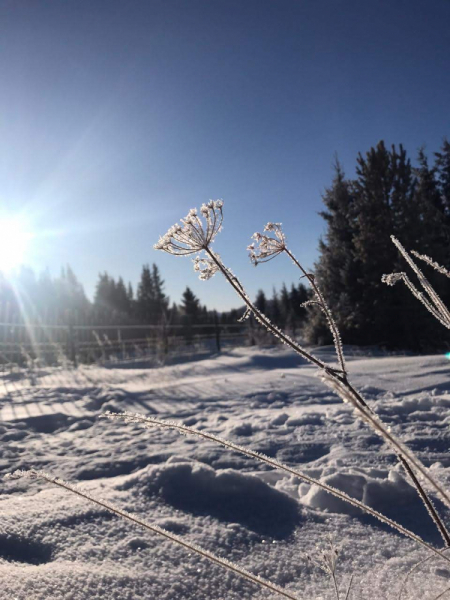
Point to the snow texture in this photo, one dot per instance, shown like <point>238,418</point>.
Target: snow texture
<point>54,545</point>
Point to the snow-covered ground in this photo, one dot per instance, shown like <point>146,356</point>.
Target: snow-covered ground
<point>54,545</point>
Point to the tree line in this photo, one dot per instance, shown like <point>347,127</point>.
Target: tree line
<point>62,300</point>
<point>388,196</point>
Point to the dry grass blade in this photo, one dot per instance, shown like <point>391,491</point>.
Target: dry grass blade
<point>347,595</point>
<point>348,394</point>
<point>223,562</point>
<point>151,422</point>
<point>442,594</point>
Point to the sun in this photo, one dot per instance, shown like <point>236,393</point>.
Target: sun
<point>15,238</point>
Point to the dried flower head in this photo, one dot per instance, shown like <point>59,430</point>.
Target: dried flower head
<point>393,278</point>
<point>192,236</point>
<point>205,267</point>
<point>266,248</point>
<point>325,557</point>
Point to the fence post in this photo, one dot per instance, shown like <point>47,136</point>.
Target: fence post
<point>71,342</point>
<point>217,331</point>
<point>119,343</point>
<point>165,339</point>
<point>252,332</point>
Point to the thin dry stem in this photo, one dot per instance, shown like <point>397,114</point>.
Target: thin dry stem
<point>432,263</point>
<point>434,297</point>
<point>442,594</point>
<point>232,279</point>
<point>349,394</point>
<point>322,303</point>
<point>151,422</point>
<point>347,595</point>
<point>223,562</point>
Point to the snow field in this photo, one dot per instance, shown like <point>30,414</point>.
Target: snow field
<point>55,545</point>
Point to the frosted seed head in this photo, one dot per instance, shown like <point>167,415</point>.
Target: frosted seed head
<point>205,267</point>
<point>392,278</point>
<point>193,235</point>
<point>267,247</point>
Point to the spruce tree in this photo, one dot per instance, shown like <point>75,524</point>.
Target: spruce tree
<point>161,302</point>
<point>338,268</point>
<point>145,301</point>
<point>261,301</point>
<point>191,306</point>
<point>387,197</point>
<point>285,307</point>
<point>384,194</point>
<point>443,175</point>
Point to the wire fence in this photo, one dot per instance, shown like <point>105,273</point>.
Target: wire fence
<point>25,343</point>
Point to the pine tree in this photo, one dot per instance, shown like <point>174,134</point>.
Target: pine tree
<point>191,309</point>
<point>443,174</point>
<point>286,319</point>
<point>191,306</point>
<point>274,307</point>
<point>161,302</point>
<point>261,301</point>
<point>298,296</point>
<point>387,197</point>
<point>145,302</point>
<point>338,268</point>
<point>121,302</point>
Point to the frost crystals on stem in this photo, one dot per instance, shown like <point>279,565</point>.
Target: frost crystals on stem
<point>266,247</point>
<point>433,302</point>
<point>193,236</point>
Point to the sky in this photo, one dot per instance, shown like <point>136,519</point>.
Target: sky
<point>117,117</point>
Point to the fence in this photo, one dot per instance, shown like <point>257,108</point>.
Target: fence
<point>23,343</point>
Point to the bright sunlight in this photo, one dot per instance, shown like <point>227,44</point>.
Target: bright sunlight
<point>14,241</point>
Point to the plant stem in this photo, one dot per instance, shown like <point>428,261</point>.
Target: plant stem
<point>324,306</point>
<point>160,531</point>
<point>340,383</point>
<point>185,429</point>
<point>262,318</point>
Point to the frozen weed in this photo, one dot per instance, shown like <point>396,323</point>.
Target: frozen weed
<point>192,237</point>
<point>195,236</point>
<point>223,562</point>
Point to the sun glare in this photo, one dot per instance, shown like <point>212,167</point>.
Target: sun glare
<point>14,241</point>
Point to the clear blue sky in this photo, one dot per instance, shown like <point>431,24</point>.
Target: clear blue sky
<point>117,116</point>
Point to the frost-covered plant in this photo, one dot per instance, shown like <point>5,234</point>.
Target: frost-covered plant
<point>325,559</point>
<point>195,236</point>
<point>192,237</point>
<point>223,562</point>
<point>433,302</point>
<point>151,422</point>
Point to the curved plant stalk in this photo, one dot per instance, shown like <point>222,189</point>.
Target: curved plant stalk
<point>223,562</point>
<point>442,594</point>
<point>433,303</point>
<point>406,457</point>
<point>192,238</point>
<point>414,568</point>
<point>347,595</point>
<point>151,422</point>
<point>323,305</point>
<point>439,268</point>
<point>360,402</point>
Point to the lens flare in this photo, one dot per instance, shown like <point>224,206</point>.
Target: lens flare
<point>15,238</point>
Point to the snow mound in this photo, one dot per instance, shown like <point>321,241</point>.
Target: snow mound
<point>378,489</point>
<point>226,495</point>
